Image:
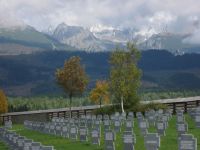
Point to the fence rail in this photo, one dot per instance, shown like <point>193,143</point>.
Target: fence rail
<point>45,115</point>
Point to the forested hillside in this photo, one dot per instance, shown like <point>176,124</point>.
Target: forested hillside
<point>33,74</point>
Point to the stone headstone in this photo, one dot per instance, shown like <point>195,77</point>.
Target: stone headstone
<point>95,137</point>
<point>65,132</point>
<point>129,125</point>
<point>52,129</point>
<point>106,125</point>
<point>152,141</point>
<point>83,134</point>
<point>8,124</point>
<point>73,133</point>
<point>27,144</point>
<point>117,126</point>
<point>197,118</point>
<point>161,126</point>
<point>128,141</point>
<point>182,128</point>
<point>35,146</point>
<point>180,119</point>
<point>143,125</point>
<point>20,142</point>
<point>58,130</point>
<point>187,142</point>
<point>109,140</point>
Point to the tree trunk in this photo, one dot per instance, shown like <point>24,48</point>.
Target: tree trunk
<point>122,103</point>
<point>100,105</point>
<point>70,105</point>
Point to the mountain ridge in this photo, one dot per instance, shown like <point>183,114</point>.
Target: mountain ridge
<point>72,38</point>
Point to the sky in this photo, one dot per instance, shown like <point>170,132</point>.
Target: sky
<point>180,16</point>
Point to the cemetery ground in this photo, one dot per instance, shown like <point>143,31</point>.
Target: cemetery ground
<point>168,142</point>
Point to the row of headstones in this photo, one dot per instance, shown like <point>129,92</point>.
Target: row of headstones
<point>115,121</point>
<point>128,136</point>
<point>158,119</point>
<point>152,117</point>
<point>90,120</point>
<point>195,114</point>
<point>181,124</point>
<point>152,140</point>
<point>185,141</point>
<point>17,142</point>
<point>73,132</point>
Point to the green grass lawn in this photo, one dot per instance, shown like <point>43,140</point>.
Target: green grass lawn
<point>3,146</point>
<point>168,142</point>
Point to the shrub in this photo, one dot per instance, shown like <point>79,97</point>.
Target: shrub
<point>145,107</point>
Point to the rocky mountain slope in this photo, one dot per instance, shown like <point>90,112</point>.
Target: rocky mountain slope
<point>27,40</point>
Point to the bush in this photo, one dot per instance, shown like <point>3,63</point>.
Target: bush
<point>108,110</point>
<point>145,107</point>
<point>137,108</point>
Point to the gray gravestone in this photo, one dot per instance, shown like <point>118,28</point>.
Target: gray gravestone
<point>35,146</point>
<point>58,130</point>
<point>65,132</point>
<point>152,141</point>
<point>109,140</point>
<point>95,135</point>
<point>117,126</point>
<point>182,128</point>
<point>197,118</point>
<point>73,133</point>
<point>161,126</point>
<point>83,134</point>
<point>106,125</point>
<point>129,125</point>
<point>8,124</point>
<point>143,125</point>
<point>187,142</point>
<point>128,141</point>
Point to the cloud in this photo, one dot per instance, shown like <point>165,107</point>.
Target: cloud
<point>181,16</point>
<point>194,38</point>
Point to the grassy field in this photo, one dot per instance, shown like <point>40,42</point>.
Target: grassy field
<point>168,142</point>
<point>3,146</point>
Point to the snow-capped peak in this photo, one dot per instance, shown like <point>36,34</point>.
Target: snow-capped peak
<point>100,28</point>
<point>146,32</point>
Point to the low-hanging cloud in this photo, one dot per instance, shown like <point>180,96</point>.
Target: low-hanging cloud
<point>180,16</point>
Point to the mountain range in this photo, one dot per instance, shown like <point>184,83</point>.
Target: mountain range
<point>29,58</point>
<point>27,40</point>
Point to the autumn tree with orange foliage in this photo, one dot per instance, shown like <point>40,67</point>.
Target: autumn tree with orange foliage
<point>3,102</point>
<point>100,94</point>
<point>72,77</point>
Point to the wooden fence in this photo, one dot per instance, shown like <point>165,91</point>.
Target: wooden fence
<point>45,115</point>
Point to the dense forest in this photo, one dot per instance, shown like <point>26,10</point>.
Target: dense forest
<point>34,74</point>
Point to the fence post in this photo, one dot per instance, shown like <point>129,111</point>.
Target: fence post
<point>85,112</point>
<point>197,103</point>
<point>174,108</point>
<point>185,107</point>
<point>78,113</point>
